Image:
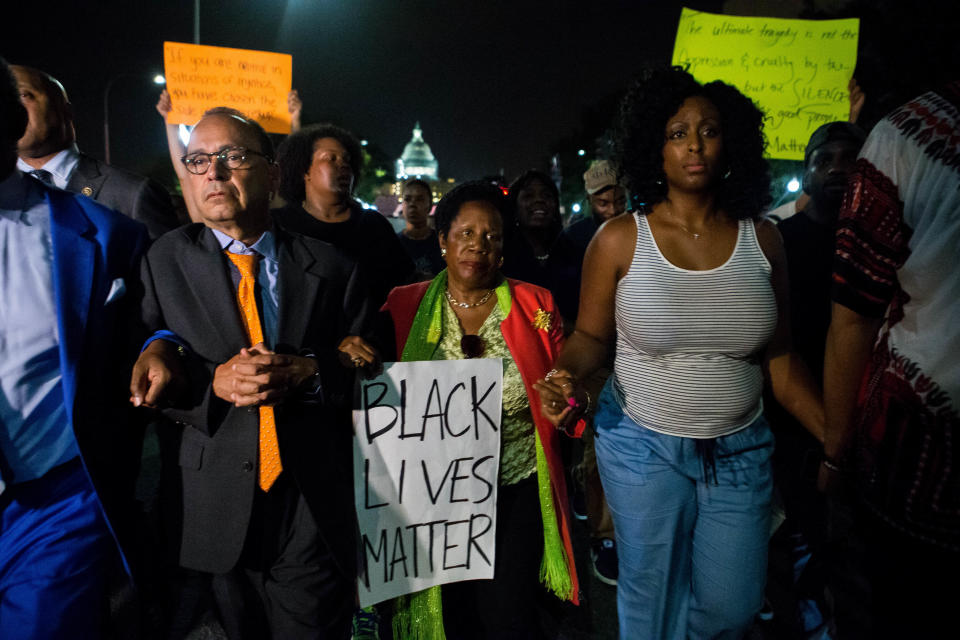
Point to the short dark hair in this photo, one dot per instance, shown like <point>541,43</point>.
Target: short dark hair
<point>417,182</point>
<point>266,145</point>
<point>476,191</point>
<point>296,155</point>
<point>522,182</point>
<point>644,112</point>
<point>833,132</point>
<point>13,117</point>
<point>59,100</point>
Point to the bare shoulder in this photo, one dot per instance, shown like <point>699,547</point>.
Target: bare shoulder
<point>614,243</point>
<point>617,233</point>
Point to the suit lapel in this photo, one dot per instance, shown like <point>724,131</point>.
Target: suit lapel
<point>213,290</point>
<point>74,271</point>
<point>299,284</point>
<point>86,179</point>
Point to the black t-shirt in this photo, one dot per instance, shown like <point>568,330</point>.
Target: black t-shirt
<point>425,254</point>
<point>809,250</point>
<point>366,236</point>
<point>809,247</point>
<point>580,233</point>
<point>559,272</point>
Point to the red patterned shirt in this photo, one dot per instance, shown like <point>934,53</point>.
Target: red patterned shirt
<point>898,257</point>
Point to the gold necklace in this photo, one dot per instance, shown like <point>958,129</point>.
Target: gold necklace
<point>468,305</point>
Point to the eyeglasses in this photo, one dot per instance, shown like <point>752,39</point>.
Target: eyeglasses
<point>234,157</point>
<point>472,346</point>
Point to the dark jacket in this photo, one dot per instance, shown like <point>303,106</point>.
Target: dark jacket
<point>188,290</point>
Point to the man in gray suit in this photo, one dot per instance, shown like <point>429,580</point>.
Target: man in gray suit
<point>260,315</point>
<point>48,151</point>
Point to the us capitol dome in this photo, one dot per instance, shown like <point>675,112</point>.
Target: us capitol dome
<point>417,160</point>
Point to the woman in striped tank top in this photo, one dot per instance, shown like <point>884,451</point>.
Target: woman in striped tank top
<point>692,287</point>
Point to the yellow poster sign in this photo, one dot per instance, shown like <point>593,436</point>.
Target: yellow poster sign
<point>255,82</point>
<point>797,71</point>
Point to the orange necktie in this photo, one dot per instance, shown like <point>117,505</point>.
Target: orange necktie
<point>270,466</point>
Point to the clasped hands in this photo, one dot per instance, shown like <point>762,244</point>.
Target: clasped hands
<point>563,400</point>
<point>258,376</point>
<point>254,376</point>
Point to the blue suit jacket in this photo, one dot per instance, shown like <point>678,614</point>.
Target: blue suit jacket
<point>96,257</point>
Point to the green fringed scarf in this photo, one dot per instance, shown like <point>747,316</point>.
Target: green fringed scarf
<point>419,616</point>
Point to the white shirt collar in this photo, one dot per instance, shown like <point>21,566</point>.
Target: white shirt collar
<point>60,166</point>
<point>264,246</point>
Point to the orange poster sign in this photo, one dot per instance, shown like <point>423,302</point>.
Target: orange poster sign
<point>200,77</point>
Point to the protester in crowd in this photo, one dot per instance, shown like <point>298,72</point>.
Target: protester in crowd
<point>418,238</point>
<point>808,240</point>
<point>690,284</point>
<point>535,251</point>
<point>48,151</point>
<point>318,167</point>
<point>261,497</point>
<point>857,99</point>
<point>607,200</point>
<point>66,339</point>
<point>470,310</point>
<point>891,380</point>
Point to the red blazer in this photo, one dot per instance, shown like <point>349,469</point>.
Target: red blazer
<point>534,347</point>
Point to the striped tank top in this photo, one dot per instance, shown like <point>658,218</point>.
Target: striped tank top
<point>689,343</point>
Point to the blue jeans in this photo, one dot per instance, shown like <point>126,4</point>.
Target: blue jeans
<point>692,550</point>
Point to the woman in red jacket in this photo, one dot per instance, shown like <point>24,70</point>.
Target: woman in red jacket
<point>470,310</point>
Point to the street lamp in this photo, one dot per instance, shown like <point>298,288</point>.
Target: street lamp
<point>157,79</point>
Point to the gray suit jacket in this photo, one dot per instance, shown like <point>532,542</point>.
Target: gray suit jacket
<point>134,196</point>
<point>188,290</point>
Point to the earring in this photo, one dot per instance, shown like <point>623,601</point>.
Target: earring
<point>443,252</point>
<point>727,174</point>
<point>658,182</point>
<point>500,262</point>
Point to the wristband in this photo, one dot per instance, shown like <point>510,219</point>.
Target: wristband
<point>832,466</point>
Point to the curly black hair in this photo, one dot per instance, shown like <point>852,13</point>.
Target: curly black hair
<point>449,206</point>
<point>523,181</point>
<point>296,155</point>
<point>644,112</point>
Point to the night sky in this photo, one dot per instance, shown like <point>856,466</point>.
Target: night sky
<point>494,84</point>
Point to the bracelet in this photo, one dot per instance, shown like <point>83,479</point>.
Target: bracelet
<point>832,466</point>
<point>576,405</point>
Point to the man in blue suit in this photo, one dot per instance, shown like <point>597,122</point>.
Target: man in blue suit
<point>68,333</point>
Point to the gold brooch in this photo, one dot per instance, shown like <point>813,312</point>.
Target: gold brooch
<point>87,191</point>
<point>542,320</point>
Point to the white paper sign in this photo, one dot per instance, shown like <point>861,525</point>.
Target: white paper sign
<point>426,458</point>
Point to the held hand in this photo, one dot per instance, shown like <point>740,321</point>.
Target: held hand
<point>295,107</point>
<point>258,376</point>
<point>356,353</point>
<point>164,104</point>
<point>157,375</point>
<point>857,100</point>
<point>563,400</point>
<point>833,480</point>
<point>829,481</point>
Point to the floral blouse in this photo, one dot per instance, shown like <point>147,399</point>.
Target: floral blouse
<point>518,455</point>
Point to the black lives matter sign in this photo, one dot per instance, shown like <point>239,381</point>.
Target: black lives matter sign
<point>426,461</point>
